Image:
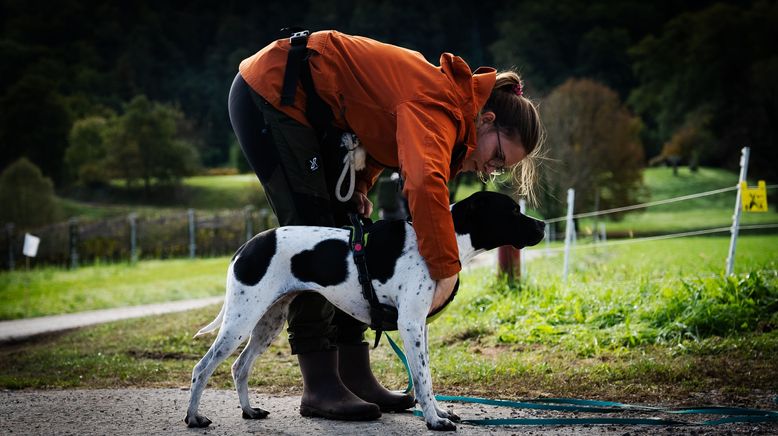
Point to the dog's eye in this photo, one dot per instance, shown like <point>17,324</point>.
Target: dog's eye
<point>517,211</point>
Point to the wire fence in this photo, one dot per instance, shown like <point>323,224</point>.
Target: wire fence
<point>733,229</point>
<point>132,237</point>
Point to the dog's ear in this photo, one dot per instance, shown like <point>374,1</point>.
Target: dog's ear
<point>463,213</point>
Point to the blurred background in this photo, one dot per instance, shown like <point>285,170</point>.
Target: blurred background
<point>118,108</point>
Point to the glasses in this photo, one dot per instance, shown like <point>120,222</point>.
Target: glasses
<point>498,161</point>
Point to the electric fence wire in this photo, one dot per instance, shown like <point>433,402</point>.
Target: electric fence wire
<point>649,204</point>
<point>655,238</point>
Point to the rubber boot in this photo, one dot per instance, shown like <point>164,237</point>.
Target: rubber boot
<point>354,368</point>
<point>325,395</point>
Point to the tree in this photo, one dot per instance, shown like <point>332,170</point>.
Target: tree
<point>34,123</point>
<point>718,62</point>
<point>85,157</point>
<point>593,145</point>
<point>143,144</point>
<point>27,196</point>
<point>552,41</point>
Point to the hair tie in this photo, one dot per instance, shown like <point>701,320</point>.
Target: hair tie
<point>517,89</point>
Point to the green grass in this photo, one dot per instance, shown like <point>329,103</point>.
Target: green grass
<point>52,290</point>
<point>649,322</point>
<point>199,192</point>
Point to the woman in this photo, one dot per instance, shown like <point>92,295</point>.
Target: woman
<point>430,122</point>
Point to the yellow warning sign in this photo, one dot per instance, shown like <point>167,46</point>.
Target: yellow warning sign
<point>754,199</point>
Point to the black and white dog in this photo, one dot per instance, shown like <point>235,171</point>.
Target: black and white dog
<point>271,268</point>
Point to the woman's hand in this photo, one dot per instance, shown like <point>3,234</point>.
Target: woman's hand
<point>443,290</point>
<point>363,204</point>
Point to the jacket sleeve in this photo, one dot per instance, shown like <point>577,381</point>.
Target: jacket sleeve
<point>366,177</point>
<point>425,137</point>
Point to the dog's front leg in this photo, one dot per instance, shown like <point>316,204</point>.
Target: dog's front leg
<point>412,333</point>
<point>441,413</point>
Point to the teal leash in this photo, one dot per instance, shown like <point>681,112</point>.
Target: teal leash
<point>732,414</point>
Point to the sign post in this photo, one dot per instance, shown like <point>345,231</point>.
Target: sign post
<point>29,250</point>
<point>736,216</point>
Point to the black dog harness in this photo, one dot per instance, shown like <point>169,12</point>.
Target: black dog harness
<point>383,317</point>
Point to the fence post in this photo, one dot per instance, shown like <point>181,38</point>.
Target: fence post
<point>262,219</point>
<point>73,241</point>
<point>247,211</point>
<point>746,152</point>
<point>9,231</point>
<point>133,237</point>
<point>192,246</point>
<point>569,230</point>
<point>522,265</point>
<point>603,234</point>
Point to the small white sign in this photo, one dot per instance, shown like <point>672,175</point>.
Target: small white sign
<point>30,245</point>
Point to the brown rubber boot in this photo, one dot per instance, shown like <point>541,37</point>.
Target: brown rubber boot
<point>325,395</point>
<point>354,368</point>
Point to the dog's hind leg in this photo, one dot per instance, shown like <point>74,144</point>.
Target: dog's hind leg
<point>232,334</point>
<point>266,330</point>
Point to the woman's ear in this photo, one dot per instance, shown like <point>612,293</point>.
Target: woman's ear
<point>487,117</point>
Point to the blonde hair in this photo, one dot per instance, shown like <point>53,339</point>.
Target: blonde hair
<point>518,117</point>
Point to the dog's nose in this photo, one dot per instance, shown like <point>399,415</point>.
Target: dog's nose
<point>541,226</point>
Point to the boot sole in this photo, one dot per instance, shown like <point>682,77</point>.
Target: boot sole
<point>309,411</point>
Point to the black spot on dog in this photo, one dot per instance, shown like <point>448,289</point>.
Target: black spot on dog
<point>254,258</point>
<point>384,247</point>
<point>325,264</point>
<point>418,343</point>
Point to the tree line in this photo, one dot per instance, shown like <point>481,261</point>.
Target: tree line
<point>688,81</point>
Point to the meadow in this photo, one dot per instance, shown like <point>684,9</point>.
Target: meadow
<point>648,321</point>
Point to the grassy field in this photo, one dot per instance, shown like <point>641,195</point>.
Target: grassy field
<point>652,322</point>
<point>649,322</point>
<point>51,290</point>
<point>199,192</point>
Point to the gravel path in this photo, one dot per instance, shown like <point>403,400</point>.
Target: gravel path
<point>161,411</point>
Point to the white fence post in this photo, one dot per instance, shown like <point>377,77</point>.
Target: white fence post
<point>738,210</point>
<point>9,231</point>
<point>569,230</point>
<point>522,263</point>
<point>247,213</point>
<point>192,245</point>
<point>133,237</point>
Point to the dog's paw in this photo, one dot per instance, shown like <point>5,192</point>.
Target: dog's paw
<point>256,413</point>
<point>197,421</point>
<point>441,425</point>
<point>452,416</point>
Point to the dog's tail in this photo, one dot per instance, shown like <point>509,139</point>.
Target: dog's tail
<point>214,324</point>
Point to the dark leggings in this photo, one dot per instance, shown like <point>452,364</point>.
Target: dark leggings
<point>297,178</point>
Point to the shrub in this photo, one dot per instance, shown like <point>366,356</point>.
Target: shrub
<point>27,197</point>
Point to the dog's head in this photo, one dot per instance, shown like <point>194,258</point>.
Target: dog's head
<point>493,220</point>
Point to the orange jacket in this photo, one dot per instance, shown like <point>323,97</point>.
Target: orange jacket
<point>406,112</point>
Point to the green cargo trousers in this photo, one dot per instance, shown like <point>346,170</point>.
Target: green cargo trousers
<point>298,175</point>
